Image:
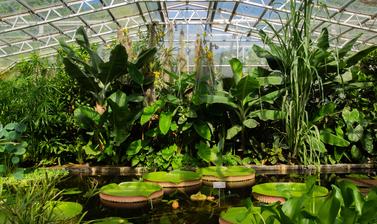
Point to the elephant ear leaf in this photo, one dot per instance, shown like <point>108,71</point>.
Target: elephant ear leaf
<point>237,67</point>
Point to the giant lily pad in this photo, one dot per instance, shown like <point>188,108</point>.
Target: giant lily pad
<point>131,192</point>
<point>235,176</point>
<point>272,192</point>
<point>64,211</point>
<point>223,172</point>
<point>176,178</point>
<point>110,220</point>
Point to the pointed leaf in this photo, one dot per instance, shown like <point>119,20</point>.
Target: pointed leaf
<point>236,66</point>
<point>245,86</point>
<point>250,123</point>
<point>347,47</point>
<point>145,57</point>
<point>270,80</point>
<point>135,74</point>
<point>355,58</point>
<point>323,39</point>
<point>203,130</point>
<point>165,122</point>
<point>331,139</point>
<point>233,131</point>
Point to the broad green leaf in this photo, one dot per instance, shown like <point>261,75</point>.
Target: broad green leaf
<point>233,131</point>
<point>355,152</point>
<point>350,117</point>
<point>268,98</point>
<point>331,139</point>
<point>265,115</point>
<point>207,153</point>
<point>84,80</point>
<point>270,80</point>
<point>135,147</point>
<point>203,130</point>
<point>355,134</point>
<point>323,39</point>
<point>165,121</point>
<point>367,142</point>
<point>135,74</point>
<point>118,100</point>
<point>245,86</point>
<point>250,123</point>
<point>116,66</point>
<point>15,160</point>
<point>145,57</point>
<point>328,209</point>
<point>259,72</point>
<point>168,152</point>
<point>150,110</point>
<point>324,111</point>
<point>355,58</point>
<point>212,99</point>
<point>261,52</point>
<point>236,66</point>
<point>347,47</point>
<point>86,117</point>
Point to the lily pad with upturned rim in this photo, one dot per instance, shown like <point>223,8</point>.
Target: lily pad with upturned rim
<point>175,177</point>
<point>286,190</point>
<point>110,220</point>
<point>222,171</point>
<point>130,189</point>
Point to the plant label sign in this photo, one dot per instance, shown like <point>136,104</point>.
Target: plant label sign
<point>219,185</point>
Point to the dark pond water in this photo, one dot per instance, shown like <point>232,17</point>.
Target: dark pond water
<point>189,212</point>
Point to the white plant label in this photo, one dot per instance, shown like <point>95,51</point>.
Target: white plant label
<point>219,185</point>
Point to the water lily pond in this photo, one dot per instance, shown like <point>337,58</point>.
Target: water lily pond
<point>175,207</point>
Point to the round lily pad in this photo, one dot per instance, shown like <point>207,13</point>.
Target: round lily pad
<point>130,189</point>
<point>110,220</point>
<point>222,172</point>
<point>64,211</point>
<point>130,194</point>
<point>234,176</point>
<point>175,177</point>
<point>271,192</point>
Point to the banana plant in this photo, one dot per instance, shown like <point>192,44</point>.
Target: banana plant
<point>110,122</point>
<point>243,97</point>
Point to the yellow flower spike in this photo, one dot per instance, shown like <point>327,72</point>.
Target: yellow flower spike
<point>156,74</point>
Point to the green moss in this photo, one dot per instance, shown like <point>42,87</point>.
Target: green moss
<point>221,171</point>
<point>176,176</point>
<point>287,190</point>
<point>129,189</point>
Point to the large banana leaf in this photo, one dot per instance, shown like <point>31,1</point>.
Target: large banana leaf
<point>116,66</point>
<point>237,67</point>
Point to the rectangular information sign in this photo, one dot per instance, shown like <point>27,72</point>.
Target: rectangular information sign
<point>219,185</point>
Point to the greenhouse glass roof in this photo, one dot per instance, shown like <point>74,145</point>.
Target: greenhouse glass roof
<point>37,25</point>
